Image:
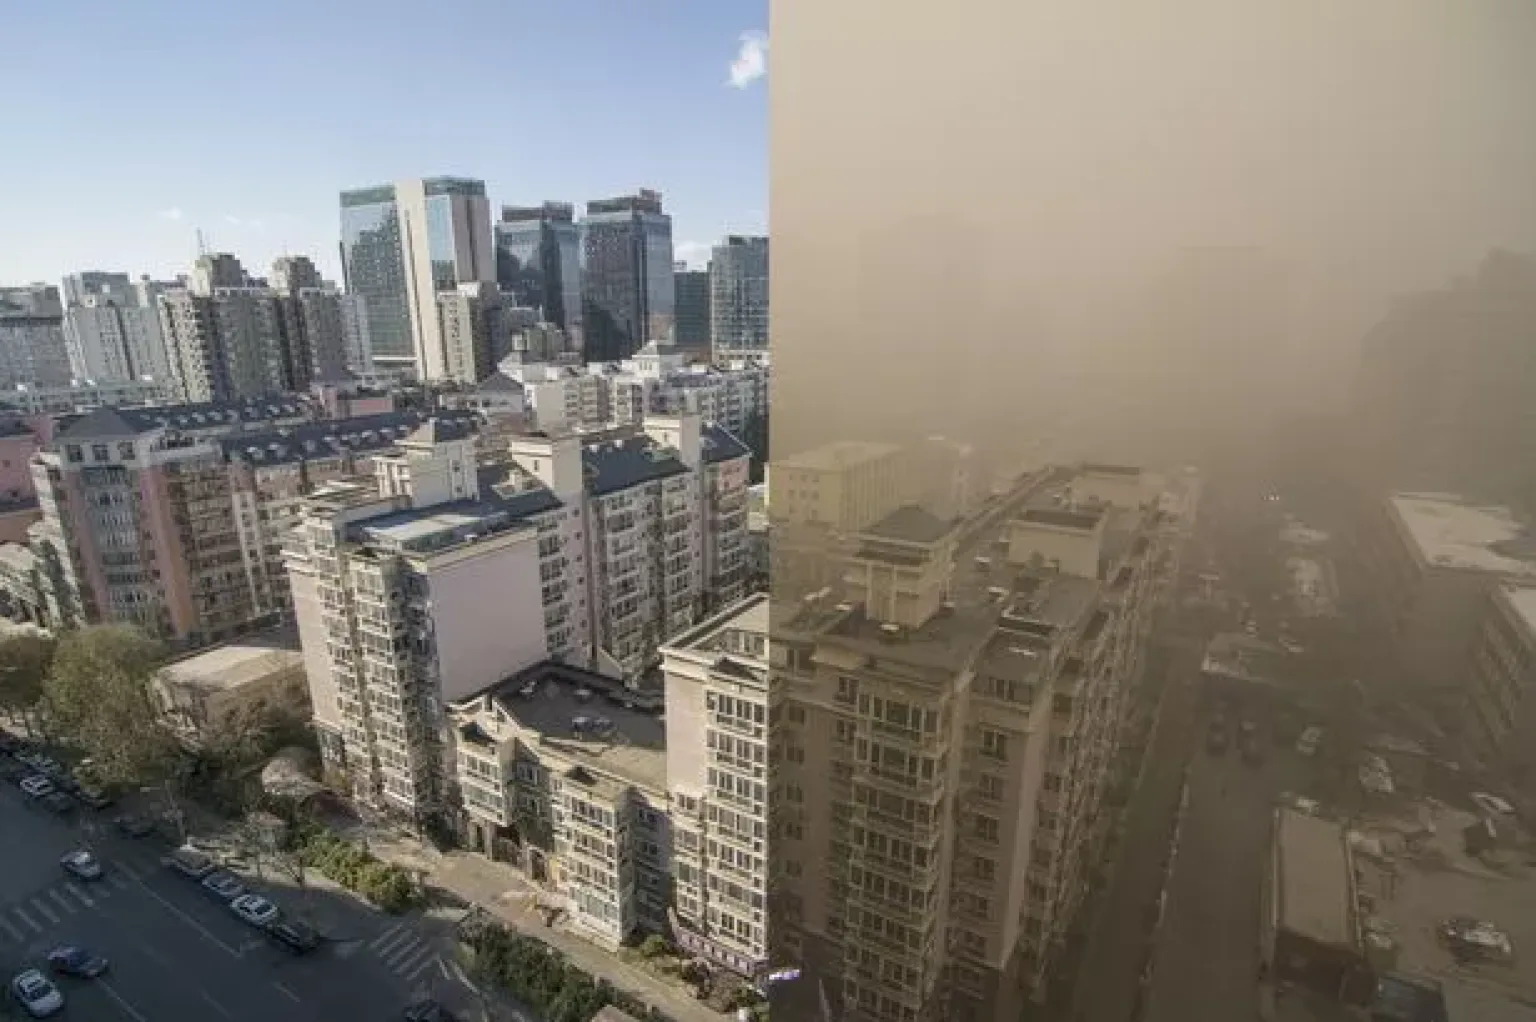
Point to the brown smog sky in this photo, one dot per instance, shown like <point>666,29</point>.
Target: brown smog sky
<point>984,212</point>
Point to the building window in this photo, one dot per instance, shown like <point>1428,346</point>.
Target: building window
<point>99,452</point>
<point>994,744</point>
<point>990,787</point>
<point>986,828</point>
<point>74,453</point>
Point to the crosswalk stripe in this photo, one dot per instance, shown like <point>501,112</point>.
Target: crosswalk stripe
<point>378,941</point>
<point>406,957</point>
<point>44,909</point>
<point>79,893</point>
<point>427,963</point>
<point>63,902</point>
<point>26,919</point>
<point>404,939</point>
<point>8,928</point>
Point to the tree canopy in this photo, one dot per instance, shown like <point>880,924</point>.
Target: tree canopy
<point>98,697</point>
<point>25,659</point>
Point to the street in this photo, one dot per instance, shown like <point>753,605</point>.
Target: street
<point>178,954</point>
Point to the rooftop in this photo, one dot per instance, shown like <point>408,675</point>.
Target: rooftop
<point>618,464</point>
<point>719,444</point>
<point>240,662</point>
<point>1313,886</point>
<point>116,422</point>
<point>314,440</point>
<point>436,527</point>
<point>589,719</point>
<point>1243,658</point>
<point>1450,533</point>
<point>839,455</point>
<point>1522,600</point>
<point>910,524</point>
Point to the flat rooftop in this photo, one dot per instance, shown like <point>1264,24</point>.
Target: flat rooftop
<point>1417,888</point>
<point>240,662</point>
<point>839,455</point>
<point>1452,533</point>
<point>434,527</point>
<point>1313,890</point>
<point>1522,600</point>
<point>583,717</point>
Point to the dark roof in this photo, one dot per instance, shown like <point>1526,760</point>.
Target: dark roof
<point>519,502</point>
<point>719,445</point>
<point>14,427</point>
<point>313,440</point>
<point>613,465</point>
<point>910,524</point>
<point>1084,519</point>
<point>499,382</point>
<point>444,428</point>
<point>206,415</point>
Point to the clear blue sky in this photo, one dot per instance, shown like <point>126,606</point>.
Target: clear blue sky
<point>133,124</point>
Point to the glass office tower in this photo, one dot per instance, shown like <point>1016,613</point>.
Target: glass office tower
<point>538,261</point>
<point>626,275</point>
<point>373,267</point>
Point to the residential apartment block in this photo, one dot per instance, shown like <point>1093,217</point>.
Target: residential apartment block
<point>1501,694</point>
<point>565,773</point>
<point>632,534</point>
<point>170,518</point>
<point>944,730</point>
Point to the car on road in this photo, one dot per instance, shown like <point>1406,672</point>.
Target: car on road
<point>254,909</point>
<point>133,825</point>
<point>223,885</point>
<point>1310,739</point>
<point>57,802</point>
<point>428,1010</point>
<point>71,960</point>
<point>36,994</point>
<point>82,865</point>
<point>190,862</point>
<point>36,786</point>
<point>292,935</point>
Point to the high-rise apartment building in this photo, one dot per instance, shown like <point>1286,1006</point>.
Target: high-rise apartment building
<point>943,731</point>
<point>738,284</point>
<point>96,283</point>
<point>110,336</point>
<point>314,319</point>
<point>223,334</point>
<point>626,275</point>
<point>475,327</point>
<point>691,331</point>
<point>538,261</point>
<point>32,346</point>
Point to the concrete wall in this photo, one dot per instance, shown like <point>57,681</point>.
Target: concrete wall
<point>487,612</point>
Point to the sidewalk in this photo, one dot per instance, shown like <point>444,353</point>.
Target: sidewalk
<point>501,891</point>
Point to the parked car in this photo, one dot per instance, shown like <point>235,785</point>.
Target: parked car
<point>223,885</point>
<point>70,960</point>
<point>254,909</point>
<point>82,865</point>
<point>132,825</point>
<point>294,936</point>
<point>36,786</point>
<point>36,994</point>
<point>190,862</point>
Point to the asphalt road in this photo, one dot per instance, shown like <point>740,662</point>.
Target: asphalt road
<point>177,955</point>
<point>1206,961</point>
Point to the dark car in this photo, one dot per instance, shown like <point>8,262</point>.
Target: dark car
<point>292,935</point>
<point>76,961</point>
<point>132,825</point>
<point>82,865</point>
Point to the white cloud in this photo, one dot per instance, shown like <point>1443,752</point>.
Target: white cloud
<point>174,213</point>
<point>751,61</point>
<point>253,223</point>
<point>694,253</point>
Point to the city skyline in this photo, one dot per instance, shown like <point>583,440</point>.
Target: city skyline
<point>694,126</point>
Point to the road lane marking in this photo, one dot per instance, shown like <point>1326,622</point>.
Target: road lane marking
<point>121,1002</point>
<point>63,902</point>
<point>8,928</point>
<point>404,956</point>
<point>44,909</point>
<point>381,938</point>
<point>401,942</point>
<point>26,919</point>
<point>286,992</point>
<point>178,913</point>
<point>79,892</point>
<point>424,966</point>
<point>215,1005</point>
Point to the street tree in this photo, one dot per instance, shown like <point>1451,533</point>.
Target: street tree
<point>25,659</point>
<point>99,697</point>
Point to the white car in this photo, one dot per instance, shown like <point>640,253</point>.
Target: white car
<point>254,909</point>
<point>36,994</point>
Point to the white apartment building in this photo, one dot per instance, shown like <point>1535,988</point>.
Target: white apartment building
<point>944,734</point>
<point>111,340</point>
<point>717,706</point>
<point>84,395</point>
<point>409,594</point>
<point>563,772</point>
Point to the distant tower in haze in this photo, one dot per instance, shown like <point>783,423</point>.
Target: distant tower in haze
<point>538,261</point>
<point>626,275</point>
<point>738,284</point>
<point>692,331</point>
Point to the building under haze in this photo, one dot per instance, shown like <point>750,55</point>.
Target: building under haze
<point>32,346</point>
<point>626,275</point>
<point>538,261</point>
<point>111,333</point>
<point>945,717</point>
<point>738,285</point>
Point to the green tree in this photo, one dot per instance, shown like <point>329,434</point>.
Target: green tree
<point>99,698</point>
<point>25,659</point>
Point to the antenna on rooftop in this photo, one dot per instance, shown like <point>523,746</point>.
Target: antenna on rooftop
<point>202,245</point>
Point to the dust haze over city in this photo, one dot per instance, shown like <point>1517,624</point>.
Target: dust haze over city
<point>1148,511</point>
